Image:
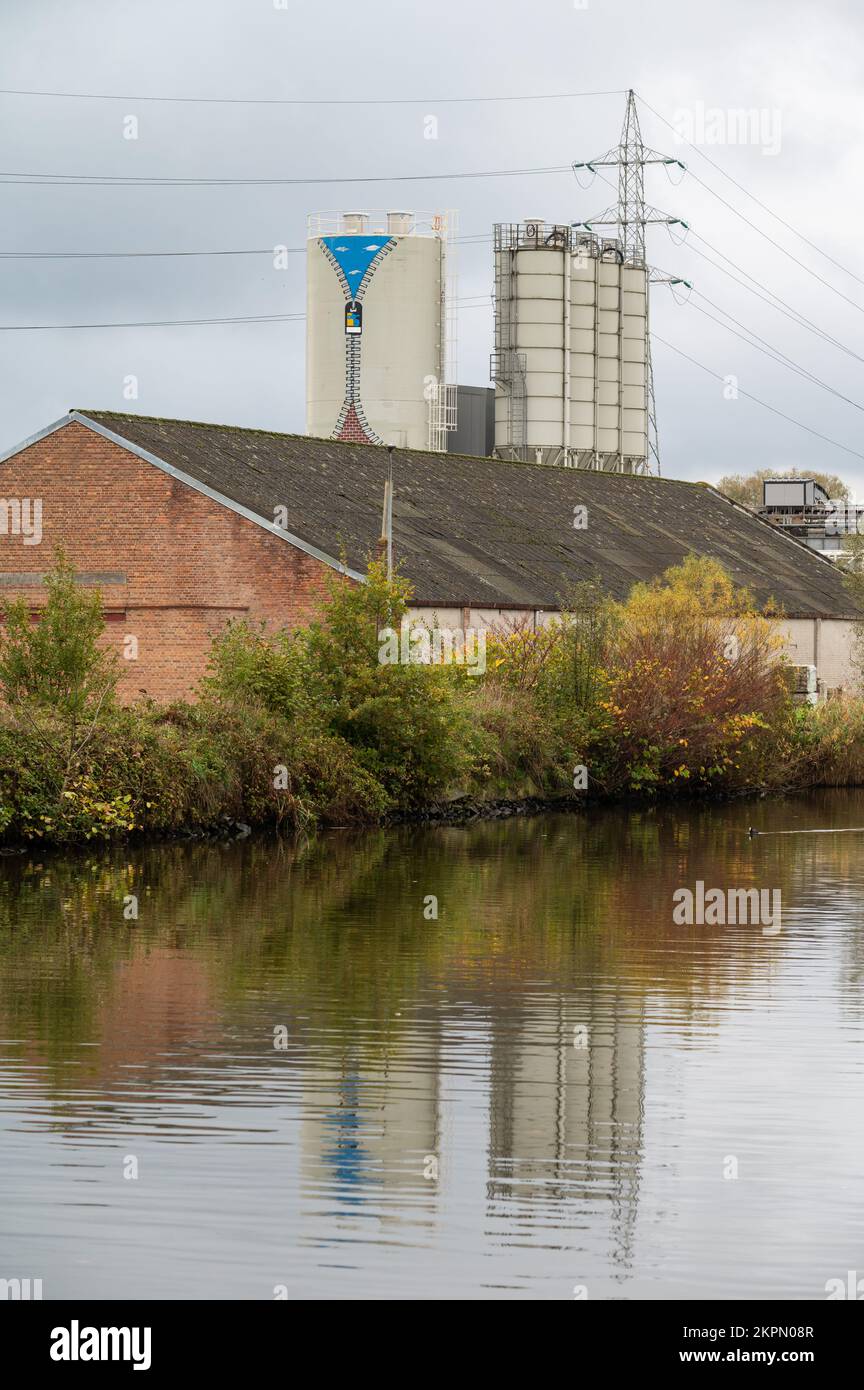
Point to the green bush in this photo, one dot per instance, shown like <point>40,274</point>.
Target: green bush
<point>272,670</point>
<point>407,725</point>
<point>827,744</point>
<point>306,727</point>
<point>182,768</point>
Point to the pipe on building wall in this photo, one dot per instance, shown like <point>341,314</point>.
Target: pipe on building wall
<point>596,360</point>
<point>566,369</point>
<point>621,356</point>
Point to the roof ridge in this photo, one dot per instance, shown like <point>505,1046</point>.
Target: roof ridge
<point>363,444</point>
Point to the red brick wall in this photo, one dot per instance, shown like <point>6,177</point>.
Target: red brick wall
<point>353,431</point>
<point>189,564</point>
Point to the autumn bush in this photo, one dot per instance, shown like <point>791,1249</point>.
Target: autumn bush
<point>679,689</point>
<point>696,688</point>
<point>76,765</point>
<point>827,748</point>
<point>542,701</point>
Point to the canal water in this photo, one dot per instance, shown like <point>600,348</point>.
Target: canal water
<point>287,1076</point>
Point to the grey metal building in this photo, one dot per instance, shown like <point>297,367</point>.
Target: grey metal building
<point>475,427</point>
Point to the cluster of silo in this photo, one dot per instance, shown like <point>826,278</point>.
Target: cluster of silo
<point>570,357</point>
<point>378,345</point>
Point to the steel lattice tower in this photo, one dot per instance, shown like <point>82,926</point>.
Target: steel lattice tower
<point>631,216</point>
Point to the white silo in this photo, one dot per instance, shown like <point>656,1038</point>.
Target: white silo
<point>570,360</point>
<point>379,346</point>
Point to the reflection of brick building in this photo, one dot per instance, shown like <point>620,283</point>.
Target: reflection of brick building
<point>157,1002</point>
<point>151,1009</point>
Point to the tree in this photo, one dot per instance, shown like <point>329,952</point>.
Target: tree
<point>405,723</point>
<point>747,488</point>
<point>55,677</point>
<point>697,685</point>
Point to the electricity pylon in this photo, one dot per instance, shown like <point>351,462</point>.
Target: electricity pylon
<point>631,216</point>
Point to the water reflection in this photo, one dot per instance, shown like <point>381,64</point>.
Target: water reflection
<point>539,1089</point>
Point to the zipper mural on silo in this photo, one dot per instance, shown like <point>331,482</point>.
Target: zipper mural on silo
<point>354,260</point>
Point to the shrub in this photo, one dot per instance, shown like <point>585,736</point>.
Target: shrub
<point>56,680</point>
<point>274,671</point>
<point>678,688</point>
<point>827,746</point>
<point>517,751</point>
<point>696,692</point>
<point>182,768</point>
<point>405,726</point>
<point>544,688</point>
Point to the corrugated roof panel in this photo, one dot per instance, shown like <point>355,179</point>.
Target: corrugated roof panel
<point>484,532</point>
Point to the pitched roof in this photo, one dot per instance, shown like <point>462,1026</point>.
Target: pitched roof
<point>481,532</point>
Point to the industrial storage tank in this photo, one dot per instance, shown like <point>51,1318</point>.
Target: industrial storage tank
<point>379,342</point>
<point>570,362</point>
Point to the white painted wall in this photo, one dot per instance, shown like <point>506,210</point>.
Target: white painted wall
<point>826,643</point>
<point>483,618</point>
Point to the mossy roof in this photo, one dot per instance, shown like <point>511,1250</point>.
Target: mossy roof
<point>483,532</point>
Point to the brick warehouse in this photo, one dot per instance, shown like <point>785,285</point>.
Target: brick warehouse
<point>185,526</point>
<point>173,565</point>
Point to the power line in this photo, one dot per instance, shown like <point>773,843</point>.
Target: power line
<point>773,409</point>
<point>139,255</point>
<point>780,305</point>
<point>753,225</point>
<point>469,302</point>
<point>473,240</point>
<point>792,313</point>
<point>777,245</point>
<point>788,310</point>
<point>9,178</point>
<point>303,101</point>
<point>153,181</point>
<point>768,350</point>
<point>765,208</point>
<point>477,238</point>
<point>150,323</point>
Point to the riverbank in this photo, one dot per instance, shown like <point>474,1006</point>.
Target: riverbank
<point>205,772</point>
<point>679,692</point>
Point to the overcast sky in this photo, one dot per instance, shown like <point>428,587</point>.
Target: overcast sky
<point>798,65</point>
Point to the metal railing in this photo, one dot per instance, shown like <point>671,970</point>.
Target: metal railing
<point>378,222</point>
